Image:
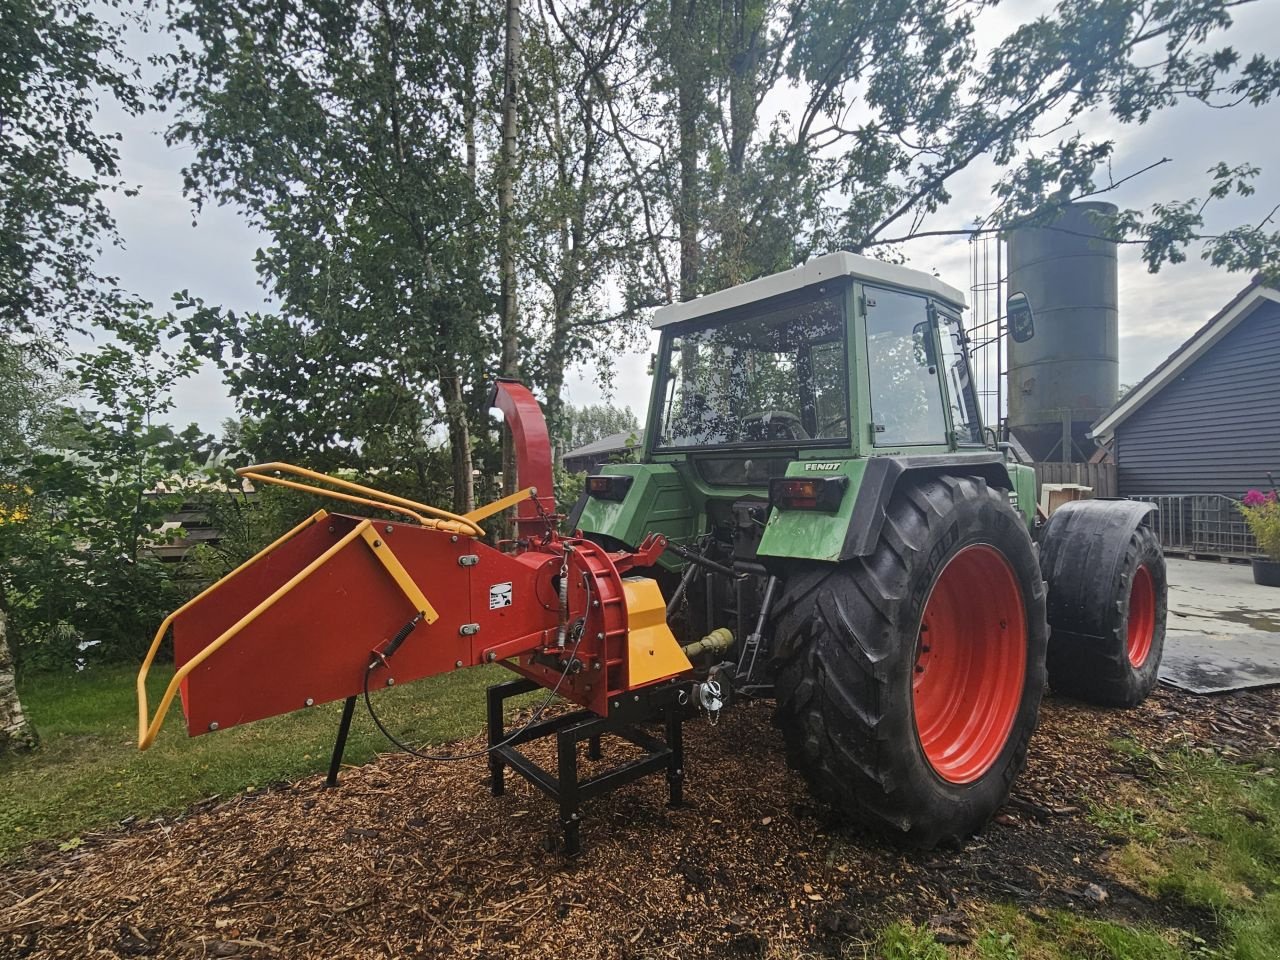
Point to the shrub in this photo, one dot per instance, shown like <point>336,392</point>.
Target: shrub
<point>1262,514</point>
<point>83,514</point>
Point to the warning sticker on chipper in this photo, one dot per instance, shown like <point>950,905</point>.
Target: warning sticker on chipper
<point>499,595</point>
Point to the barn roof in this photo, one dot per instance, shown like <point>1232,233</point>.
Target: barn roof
<point>1196,346</point>
<point>609,444</point>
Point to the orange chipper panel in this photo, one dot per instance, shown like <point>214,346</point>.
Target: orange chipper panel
<point>314,643</point>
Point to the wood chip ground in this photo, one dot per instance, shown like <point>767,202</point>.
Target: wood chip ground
<point>415,859</point>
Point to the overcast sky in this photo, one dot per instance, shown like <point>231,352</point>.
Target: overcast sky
<point>163,252</point>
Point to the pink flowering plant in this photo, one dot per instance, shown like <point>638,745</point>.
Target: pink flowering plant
<point>1262,514</point>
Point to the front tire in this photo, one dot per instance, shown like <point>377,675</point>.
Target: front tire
<point>909,681</point>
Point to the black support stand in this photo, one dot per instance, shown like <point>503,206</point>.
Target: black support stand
<point>571,729</point>
<point>340,744</point>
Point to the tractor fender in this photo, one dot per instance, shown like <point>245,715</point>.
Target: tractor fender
<point>881,478</point>
<point>1082,549</point>
<point>656,501</point>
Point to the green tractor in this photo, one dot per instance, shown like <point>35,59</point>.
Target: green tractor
<point>816,459</point>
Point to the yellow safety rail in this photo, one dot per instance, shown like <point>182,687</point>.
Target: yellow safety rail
<point>489,509</point>
<point>147,731</point>
<point>424,514</point>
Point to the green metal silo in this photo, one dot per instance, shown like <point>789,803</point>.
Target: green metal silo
<point>1068,375</point>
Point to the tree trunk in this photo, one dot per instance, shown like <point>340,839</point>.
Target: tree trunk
<point>16,734</point>
<point>743,60</point>
<point>558,354</point>
<point>464,491</point>
<point>506,227</point>
<point>688,102</point>
<point>572,237</point>
<point>450,381</point>
<point>456,413</point>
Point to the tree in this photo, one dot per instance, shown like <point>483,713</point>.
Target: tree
<point>348,134</point>
<point>508,159</point>
<point>31,400</point>
<point>400,139</point>
<point>887,110</point>
<point>583,425</point>
<point>31,397</point>
<point>588,271</point>
<point>57,59</point>
<point>80,581</point>
<point>16,733</point>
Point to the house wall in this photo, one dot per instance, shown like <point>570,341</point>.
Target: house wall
<point>1216,429</point>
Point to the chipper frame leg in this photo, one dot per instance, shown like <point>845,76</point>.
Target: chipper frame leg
<point>340,742</point>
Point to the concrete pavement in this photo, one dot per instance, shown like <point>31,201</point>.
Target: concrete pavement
<point>1223,629</point>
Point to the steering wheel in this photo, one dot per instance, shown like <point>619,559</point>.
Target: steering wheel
<point>769,419</point>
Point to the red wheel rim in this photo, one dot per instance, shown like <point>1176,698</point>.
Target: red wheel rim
<point>1142,616</point>
<point>971,662</point>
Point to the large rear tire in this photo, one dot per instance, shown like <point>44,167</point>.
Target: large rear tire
<point>909,681</point>
<point>1107,618</point>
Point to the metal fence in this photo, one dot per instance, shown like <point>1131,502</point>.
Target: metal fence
<point>1207,524</point>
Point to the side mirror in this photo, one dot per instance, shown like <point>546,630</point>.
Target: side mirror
<point>1021,320</point>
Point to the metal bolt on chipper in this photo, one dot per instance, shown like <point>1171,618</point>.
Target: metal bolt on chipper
<point>818,517</point>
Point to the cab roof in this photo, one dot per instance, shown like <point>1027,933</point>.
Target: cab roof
<point>827,267</point>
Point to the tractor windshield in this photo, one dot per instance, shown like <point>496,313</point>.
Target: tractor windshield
<point>778,377</point>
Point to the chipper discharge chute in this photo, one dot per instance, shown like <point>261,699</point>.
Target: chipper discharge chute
<point>343,604</point>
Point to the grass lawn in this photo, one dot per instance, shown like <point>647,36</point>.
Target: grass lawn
<point>1208,838</point>
<point>89,773</point>
<point>1203,837</point>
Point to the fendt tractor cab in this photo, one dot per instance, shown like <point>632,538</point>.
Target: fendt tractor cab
<point>818,516</point>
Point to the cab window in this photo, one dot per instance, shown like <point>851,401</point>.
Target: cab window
<point>906,395</point>
<point>961,394</point>
<point>773,376</point>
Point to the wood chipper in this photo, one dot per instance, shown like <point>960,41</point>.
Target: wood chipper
<point>817,516</point>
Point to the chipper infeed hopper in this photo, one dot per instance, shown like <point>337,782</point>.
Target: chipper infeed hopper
<point>343,604</point>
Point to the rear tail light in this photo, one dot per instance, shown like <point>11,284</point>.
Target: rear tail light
<point>608,487</point>
<point>816,493</point>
